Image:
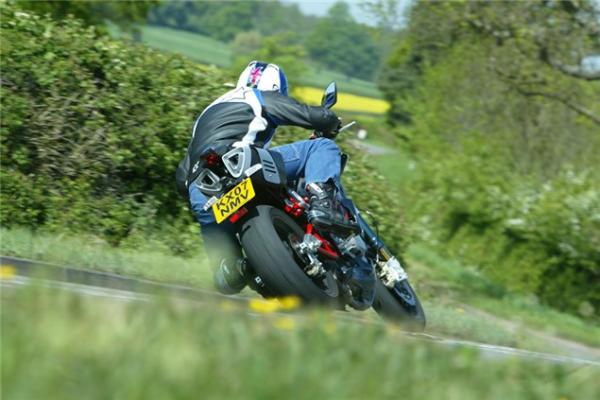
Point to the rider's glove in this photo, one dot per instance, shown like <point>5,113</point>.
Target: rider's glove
<point>329,135</point>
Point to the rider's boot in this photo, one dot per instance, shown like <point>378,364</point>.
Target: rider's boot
<point>324,210</point>
<point>230,276</point>
<point>223,249</point>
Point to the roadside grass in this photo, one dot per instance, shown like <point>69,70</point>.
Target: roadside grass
<point>206,50</point>
<point>443,286</point>
<point>85,251</point>
<point>457,289</point>
<point>58,345</point>
<point>396,167</point>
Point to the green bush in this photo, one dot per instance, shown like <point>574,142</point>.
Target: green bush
<point>93,128</point>
<point>533,236</point>
<point>507,181</point>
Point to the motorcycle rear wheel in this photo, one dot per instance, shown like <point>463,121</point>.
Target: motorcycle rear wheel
<point>268,240</point>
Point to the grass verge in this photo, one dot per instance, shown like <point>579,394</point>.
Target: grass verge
<point>456,290</point>
<point>59,345</point>
<point>84,251</point>
<point>443,286</point>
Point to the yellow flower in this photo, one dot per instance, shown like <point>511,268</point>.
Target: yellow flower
<point>330,327</point>
<point>290,302</point>
<point>7,272</point>
<point>264,306</point>
<point>393,328</point>
<point>285,323</point>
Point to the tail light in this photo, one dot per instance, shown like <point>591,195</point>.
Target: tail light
<point>238,214</point>
<point>211,157</point>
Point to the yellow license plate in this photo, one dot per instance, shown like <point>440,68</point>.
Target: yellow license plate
<point>233,200</point>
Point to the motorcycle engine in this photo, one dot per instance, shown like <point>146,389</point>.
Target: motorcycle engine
<point>353,246</point>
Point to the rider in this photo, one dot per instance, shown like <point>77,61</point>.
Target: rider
<point>247,115</point>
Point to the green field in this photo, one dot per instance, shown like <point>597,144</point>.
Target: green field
<point>197,47</point>
<point>320,78</point>
<point>209,51</point>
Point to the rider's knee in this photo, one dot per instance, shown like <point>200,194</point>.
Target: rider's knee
<point>326,143</point>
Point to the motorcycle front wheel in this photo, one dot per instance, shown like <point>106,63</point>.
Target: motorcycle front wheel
<point>269,238</point>
<point>400,304</point>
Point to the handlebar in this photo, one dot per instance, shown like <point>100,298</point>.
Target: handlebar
<point>347,126</point>
<point>316,134</point>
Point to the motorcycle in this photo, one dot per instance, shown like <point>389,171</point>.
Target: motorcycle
<point>287,255</point>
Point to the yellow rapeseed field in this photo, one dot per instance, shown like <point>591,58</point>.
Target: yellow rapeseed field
<point>346,101</point>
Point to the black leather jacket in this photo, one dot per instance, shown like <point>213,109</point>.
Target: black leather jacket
<point>250,116</point>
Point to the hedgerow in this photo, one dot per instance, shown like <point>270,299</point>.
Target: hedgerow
<point>92,129</point>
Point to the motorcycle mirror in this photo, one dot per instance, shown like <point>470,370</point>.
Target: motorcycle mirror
<point>329,96</point>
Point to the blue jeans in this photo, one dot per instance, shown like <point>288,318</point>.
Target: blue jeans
<point>317,161</point>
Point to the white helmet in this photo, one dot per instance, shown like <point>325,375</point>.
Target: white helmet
<point>263,76</point>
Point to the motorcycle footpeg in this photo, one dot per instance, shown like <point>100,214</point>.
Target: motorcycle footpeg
<point>359,282</point>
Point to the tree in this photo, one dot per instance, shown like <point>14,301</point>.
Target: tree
<point>224,20</point>
<point>390,19</point>
<point>544,40</point>
<point>338,42</point>
<point>246,43</point>
<point>501,111</point>
<point>122,13</point>
<point>536,48</point>
<point>340,12</point>
<point>278,49</point>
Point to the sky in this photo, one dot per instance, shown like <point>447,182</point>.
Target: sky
<point>320,7</point>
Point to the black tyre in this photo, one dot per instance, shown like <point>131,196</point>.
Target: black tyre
<point>268,239</point>
<point>399,304</point>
